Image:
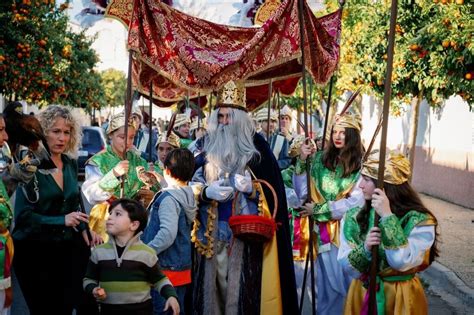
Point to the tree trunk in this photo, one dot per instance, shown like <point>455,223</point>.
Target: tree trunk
<point>415,103</point>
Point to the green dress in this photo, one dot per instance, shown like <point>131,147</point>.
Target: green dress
<point>327,185</point>
<point>106,161</point>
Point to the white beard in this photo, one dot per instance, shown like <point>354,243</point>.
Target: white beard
<point>223,155</point>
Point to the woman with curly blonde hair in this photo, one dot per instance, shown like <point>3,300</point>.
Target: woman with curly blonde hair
<point>51,246</point>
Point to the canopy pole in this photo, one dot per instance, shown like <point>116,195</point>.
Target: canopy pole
<point>383,149</point>
<point>328,108</point>
<point>270,92</point>
<point>128,109</point>
<point>150,127</point>
<point>308,167</point>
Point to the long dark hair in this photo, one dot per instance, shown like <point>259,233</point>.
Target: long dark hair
<point>403,198</point>
<point>350,156</point>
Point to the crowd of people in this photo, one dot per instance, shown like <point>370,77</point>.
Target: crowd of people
<point>178,252</point>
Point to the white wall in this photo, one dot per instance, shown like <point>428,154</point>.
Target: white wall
<point>449,128</point>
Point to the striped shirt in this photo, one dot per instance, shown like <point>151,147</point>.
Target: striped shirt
<point>127,278</point>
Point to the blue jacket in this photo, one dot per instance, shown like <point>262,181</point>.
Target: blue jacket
<point>169,227</point>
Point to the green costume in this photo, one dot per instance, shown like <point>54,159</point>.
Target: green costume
<point>106,161</point>
<point>397,289</point>
<point>328,186</point>
<point>184,142</point>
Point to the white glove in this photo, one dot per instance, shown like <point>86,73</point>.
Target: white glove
<point>218,192</point>
<point>243,183</point>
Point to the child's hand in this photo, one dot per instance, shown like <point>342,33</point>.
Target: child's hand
<point>99,293</point>
<point>373,238</point>
<point>173,303</point>
<point>307,209</point>
<point>381,203</point>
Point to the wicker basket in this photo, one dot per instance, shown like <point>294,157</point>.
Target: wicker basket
<point>254,228</point>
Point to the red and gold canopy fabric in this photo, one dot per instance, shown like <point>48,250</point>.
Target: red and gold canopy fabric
<point>183,54</point>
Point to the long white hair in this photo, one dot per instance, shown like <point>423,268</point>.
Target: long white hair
<point>229,147</point>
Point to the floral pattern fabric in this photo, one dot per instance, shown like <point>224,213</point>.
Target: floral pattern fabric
<point>178,52</point>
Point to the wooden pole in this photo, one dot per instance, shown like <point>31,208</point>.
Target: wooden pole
<point>279,109</point>
<point>128,109</point>
<point>150,128</point>
<point>270,92</point>
<point>311,108</point>
<point>383,148</point>
<point>308,168</point>
<point>328,108</point>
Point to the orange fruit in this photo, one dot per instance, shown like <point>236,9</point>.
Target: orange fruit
<point>468,76</point>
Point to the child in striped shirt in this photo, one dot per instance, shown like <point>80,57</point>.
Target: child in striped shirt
<point>121,272</point>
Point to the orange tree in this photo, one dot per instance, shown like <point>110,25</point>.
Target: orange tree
<point>434,54</point>
<point>42,61</point>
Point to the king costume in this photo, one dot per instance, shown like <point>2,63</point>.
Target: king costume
<point>235,276</point>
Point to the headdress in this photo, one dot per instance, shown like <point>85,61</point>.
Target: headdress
<point>232,94</point>
<point>181,119</point>
<point>286,111</point>
<point>195,124</point>
<point>136,111</point>
<point>348,120</point>
<point>172,139</point>
<point>117,121</point>
<point>262,114</point>
<point>397,167</point>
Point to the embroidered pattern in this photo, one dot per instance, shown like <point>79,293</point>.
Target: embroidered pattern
<point>206,249</point>
<point>359,259</point>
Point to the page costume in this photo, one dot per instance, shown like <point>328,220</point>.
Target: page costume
<point>333,195</point>
<point>404,250</point>
<point>102,186</point>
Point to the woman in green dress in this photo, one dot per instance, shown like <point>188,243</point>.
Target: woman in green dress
<point>334,174</point>
<point>51,244</point>
<point>106,170</point>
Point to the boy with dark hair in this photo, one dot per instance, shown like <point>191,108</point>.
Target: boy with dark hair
<point>126,268</point>
<point>169,225</point>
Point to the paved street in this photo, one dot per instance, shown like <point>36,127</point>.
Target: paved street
<point>457,253</point>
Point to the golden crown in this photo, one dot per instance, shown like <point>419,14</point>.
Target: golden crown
<point>232,95</point>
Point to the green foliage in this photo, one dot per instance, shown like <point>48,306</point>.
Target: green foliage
<point>114,83</point>
<point>42,61</point>
<point>434,54</point>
